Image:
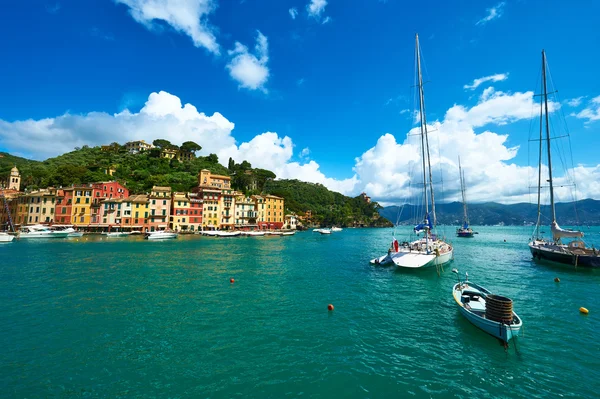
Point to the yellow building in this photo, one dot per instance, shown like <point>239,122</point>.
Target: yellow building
<point>207,179</point>
<point>274,213</point>
<point>82,202</point>
<point>40,206</point>
<point>180,155</point>
<point>245,212</point>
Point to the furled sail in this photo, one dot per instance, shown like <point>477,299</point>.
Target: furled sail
<point>558,232</point>
<point>422,226</point>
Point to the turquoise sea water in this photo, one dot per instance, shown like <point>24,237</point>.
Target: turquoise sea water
<point>130,318</point>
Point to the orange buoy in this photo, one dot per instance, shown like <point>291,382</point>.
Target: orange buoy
<point>330,307</point>
<point>232,281</point>
<point>556,280</point>
<point>584,310</point>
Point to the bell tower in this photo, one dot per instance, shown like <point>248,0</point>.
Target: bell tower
<point>14,180</point>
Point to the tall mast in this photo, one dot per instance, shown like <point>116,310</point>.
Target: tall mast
<point>462,191</point>
<point>539,193</point>
<point>548,137</point>
<point>424,138</point>
<point>421,112</point>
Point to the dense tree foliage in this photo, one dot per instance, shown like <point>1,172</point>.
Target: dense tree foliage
<point>328,208</point>
<point>139,172</point>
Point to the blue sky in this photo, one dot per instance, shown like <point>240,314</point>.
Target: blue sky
<point>327,84</point>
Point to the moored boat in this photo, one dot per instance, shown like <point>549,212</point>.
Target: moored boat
<point>288,233</point>
<point>492,313</point>
<point>574,253</point>
<point>5,237</point>
<point>334,229</point>
<point>160,235</point>
<point>117,234</point>
<point>325,231</point>
<point>429,250</point>
<point>40,231</point>
<point>253,233</point>
<point>465,231</point>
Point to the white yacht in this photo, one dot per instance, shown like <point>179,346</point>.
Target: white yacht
<point>41,231</point>
<point>161,235</point>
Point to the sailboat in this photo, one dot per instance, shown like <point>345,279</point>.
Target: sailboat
<point>465,230</point>
<point>428,250</point>
<point>575,252</point>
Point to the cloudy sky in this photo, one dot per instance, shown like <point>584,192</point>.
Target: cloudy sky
<point>319,90</point>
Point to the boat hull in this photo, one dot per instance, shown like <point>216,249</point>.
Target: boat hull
<point>561,254</point>
<point>6,237</point>
<point>37,235</point>
<point>414,260</point>
<point>501,331</point>
<point>464,234</point>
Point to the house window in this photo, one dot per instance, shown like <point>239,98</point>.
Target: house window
<point>164,202</point>
<point>87,200</point>
<point>81,219</point>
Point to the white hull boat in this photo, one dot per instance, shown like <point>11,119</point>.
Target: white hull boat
<point>253,233</point>
<point>161,235</point>
<point>117,234</point>
<point>228,233</point>
<point>5,237</point>
<point>417,255</point>
<point>430,250</point>
<point>273,233</point>
<point>75,234</point>
<point>325,231</point>
<point>334,229</point>
<point>211,233</point>
<point>491,313</point>
<point>288,233</point>
<point>40,231</point>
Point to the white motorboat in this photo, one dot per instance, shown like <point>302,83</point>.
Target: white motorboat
<point>317,230</point>
<point>288,233</point>
<point>325,231</point>
<point>492,313</point>
<point>228,233</point>
<point>5,237</point>
<point>429,250</point>
<point>117,234</point>
<point>211,233</point>
<point>40,231</point>
<point>253,233</point>
<point>161,235</point>
<point>274,233</point>
<point>334,229</point>
<point>68,229</point>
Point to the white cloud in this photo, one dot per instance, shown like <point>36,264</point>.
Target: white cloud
<point>386,171</point>
<point>250,70</point>
<point>591,112</point>
<point>492,78</point>
<point>316,8</point>
<point>293,13</point>
<point>326,20</point>
<point>575,102</point>
<point>492,13</point>
<point>185,16</point>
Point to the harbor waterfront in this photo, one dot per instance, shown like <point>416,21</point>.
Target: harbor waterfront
<point>93,317</point>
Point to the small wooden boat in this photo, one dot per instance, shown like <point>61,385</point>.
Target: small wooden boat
<point>491,313</point>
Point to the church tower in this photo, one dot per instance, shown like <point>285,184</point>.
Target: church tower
<point>14,180</point>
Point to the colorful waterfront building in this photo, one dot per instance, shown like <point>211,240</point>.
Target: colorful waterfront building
<point>136,213</point>
<point>270,209</point>
<point>160,208</point>
<point>102,191</point>
<point>82,205</point>
<point>196,208</point>
<point>291,222</point>
<point>217,196</point>
<point>41,206</point>
<point>64,205</point>
<point>245,212</point>
<point>227,205</point>
<point>260,208</point>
